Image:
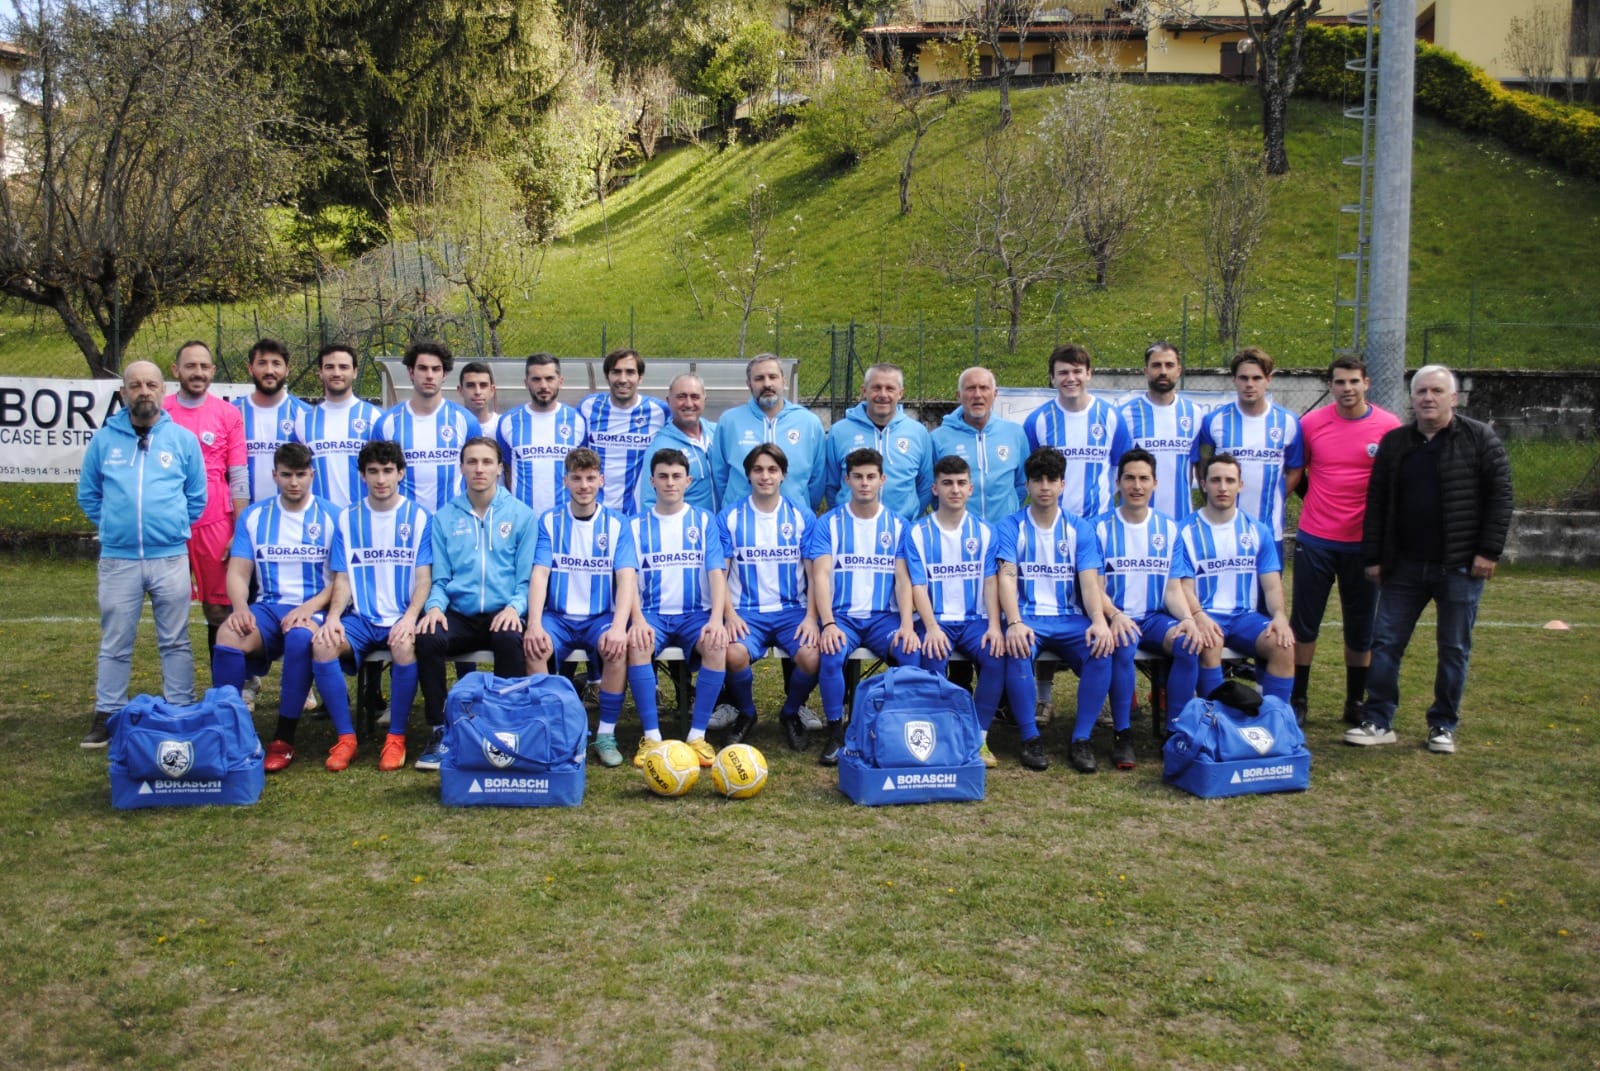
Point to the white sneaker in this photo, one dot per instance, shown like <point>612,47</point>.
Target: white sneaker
<point>313,701</point>
<point>723,716</point>
<point>1441,741</point>
<point>251,689</point>
<point>811,719</point>
<point>1367,734</point>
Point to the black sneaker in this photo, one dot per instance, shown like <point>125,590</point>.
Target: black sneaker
<point>793,732</point>
<point>1081,755</point>
<point>1354,712</point>
<point>1033,756</point>
<point>740,729</point>
<point>97,736</point>
<point>1298,705</point>
<point>1122,751</point>
<point>830,753</point>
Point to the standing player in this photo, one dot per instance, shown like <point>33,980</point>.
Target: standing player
<point>683,600</point>
<point>621,423</point>
<point>860,586</point>
<point>1050,593</point>
<point>958,602</point>
<point>1167,426</point>
<point>992,447</point>
<point>879,423</point>
<point>1144,605</point>
<point>339,427</point>
<point>1341,441</point>
<point>272,416</point>
<point>381,563</point>
<point>535,438</point>
<point>581,594</point>
<point>1262,437</point>
<point>770,418</point>
<point>220,429</point>
<point>475,386</point>
<point>1228,564</point>
<point>689,432</point>
<point>283,542</point>
<point>429,428</point>
<point>767,603</point>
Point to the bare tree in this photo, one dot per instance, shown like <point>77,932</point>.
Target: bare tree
<point>923,106</point>
<point>1538,45</point>
<point>648,93</point>
<point>1008,222</point>
<point>150,169</point>
<point>1235,205</point>
<point>995,24</point>
<point>748,266</point>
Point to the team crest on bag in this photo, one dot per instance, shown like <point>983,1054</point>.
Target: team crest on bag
<point>1258,738</point>
<point>920,739</point>
<point>498,758</point>
<point>175,757</point>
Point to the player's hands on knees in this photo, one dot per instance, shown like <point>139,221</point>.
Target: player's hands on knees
<point>736,626</point>
<point>243,622</point>
<point>536,644</point>
<point>831,639</point>
<point>936,644</point>
<point>713,638</point>
<point>641,637</point>
<point>507,620</point>
<point>431,620</point>
<point>1019,640</point>
<point>330,635</point>
<point>1124,631</point>
<point>614,642</point>
<point>1100,640</point>
<point>905,641</point>
<point>1188,634</point>
<point>994,641</point>
<point>807,633</point>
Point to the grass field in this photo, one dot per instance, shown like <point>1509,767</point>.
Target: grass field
<point>1410,911</point>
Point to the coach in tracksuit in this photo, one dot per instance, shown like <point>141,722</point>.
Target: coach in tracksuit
<point>143,484</point>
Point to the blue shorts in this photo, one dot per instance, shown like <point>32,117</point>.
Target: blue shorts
<point>678,630</point>
<point>269,623</point>
<point>771,630</point>
<point>364,636</point>
<point>568,634</point>
<point>1153,632</point>
<point>1318,563</point>
<point>1241,631</point>
<point>966,638</point>
<point>1063,637</point>
<point>875,633</point>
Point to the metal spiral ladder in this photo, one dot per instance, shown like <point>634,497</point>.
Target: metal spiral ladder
<point>1353,342</point>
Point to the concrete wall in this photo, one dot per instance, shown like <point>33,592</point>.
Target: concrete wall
<point>1551,537</point>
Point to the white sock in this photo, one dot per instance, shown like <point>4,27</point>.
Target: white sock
<point>607,728</point>
<point>695,734</point>
<point>653,735</point>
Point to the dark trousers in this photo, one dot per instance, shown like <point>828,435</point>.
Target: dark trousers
<point>462,633</point>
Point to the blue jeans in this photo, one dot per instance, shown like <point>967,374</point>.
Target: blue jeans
<point>1405,592</point>
<point>122,587</point>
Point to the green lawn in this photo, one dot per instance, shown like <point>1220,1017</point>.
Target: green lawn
<point>1410,911</point>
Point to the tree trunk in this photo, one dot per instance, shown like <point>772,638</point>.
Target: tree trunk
<point>1014,328</point>
<point>1274,129</point>
<point>905,172</point>
<point>1005,91</point>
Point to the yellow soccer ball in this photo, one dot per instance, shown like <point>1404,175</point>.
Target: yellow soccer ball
<point>671,769</point>
<point>739,771</point>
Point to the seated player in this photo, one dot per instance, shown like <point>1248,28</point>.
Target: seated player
<point>283,542</point>
<point>1050,593</point>
<point>483,544</point>
<point>860,586</point>
<point>683,598</point>
<point>1226,560</point>
<point>959,602</point>
<point>380,562</point>
<point>582,591</point>
<point>767,604</point>
<point>1145,607</point>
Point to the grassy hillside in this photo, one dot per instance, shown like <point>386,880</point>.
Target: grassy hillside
<point>1495,236</point>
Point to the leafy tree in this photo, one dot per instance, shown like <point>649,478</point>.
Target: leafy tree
<point>742,65</point>
<point>849,112</point>
<point>157,151</point>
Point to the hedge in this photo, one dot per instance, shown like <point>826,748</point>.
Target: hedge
<point>1461,94</point>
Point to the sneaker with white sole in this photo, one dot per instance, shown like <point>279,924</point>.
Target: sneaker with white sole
<point>723,716</point>
<point>433,755</point>
<point>1367,734</point>
<point>1441,741</point>
<point>251,689</point>
<point>606,750</point>
<point>811,720</point>
<point>988,757</point>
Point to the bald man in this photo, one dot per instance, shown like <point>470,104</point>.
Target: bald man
<point>993,448</point>
<point>143,483</point>
<point>689,431</point>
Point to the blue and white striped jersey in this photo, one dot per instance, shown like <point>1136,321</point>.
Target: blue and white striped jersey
<point>1170,432</point>
<point>583,557</point>
<point>1265,447</point>
<point>956,562</point>
<point>433,450</point>
<point>381,553</point>
<point>336,432</point>
<point>675,554</point>
<point>533,446</point>
<point>1091,441</point>
<point>1048,561</point>
<point>266,429</point>
<point>765,574</point>
<point>1226,561</point>
<point>621,437</point>
<point>290,550</point>
<point>1137,560</point>
<point>864,555</point>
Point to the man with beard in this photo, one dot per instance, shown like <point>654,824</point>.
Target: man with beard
<point>337,429</point>
<point>429,428</point>
<point>143,483</point>
<point>1165,425</point>
<point>272,416</point>
<point>621,423</point>
<point>770,418</point>
<point>535,438</point>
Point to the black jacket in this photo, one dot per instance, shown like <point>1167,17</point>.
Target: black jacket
<point>1474,493</point>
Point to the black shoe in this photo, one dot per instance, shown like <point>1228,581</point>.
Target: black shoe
<point>740,729</point>
<point>1297,703</point>
<point>830,753</point>
<point>1354,712</point>
<point>98,736</point>
<point>1122,751</point>
<point>1033,756</point>
<point>793,731</point>
<point>1081,755</point>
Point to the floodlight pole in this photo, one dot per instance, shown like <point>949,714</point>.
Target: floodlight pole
<point>1391,205</point>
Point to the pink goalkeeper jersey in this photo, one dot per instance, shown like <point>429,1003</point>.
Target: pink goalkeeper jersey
<point>220,429</point>
<point>1339,455</point>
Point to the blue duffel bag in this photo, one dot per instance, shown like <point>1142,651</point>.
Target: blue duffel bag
<point>1236,743</point>
<point>913,738</point>
<point>513,742</point>
<point>162,755</point>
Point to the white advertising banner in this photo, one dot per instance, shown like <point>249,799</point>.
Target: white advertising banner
<point>45,424</point>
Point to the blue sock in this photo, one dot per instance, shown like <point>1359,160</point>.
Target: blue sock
<point>1209,681</point>
<point>642,683</point>
<point>1094,684</point>
<point>1022,692</point>
<point>296,673</point>
<point>610,711</point>
<point>831,682</point>
<point>1181,681</point>
<point>330,682</point>
<point>986,695</point>
<point>706,690</point>
<point>1124,678</point>
<point>742,690</point>
<point>1280,687</point>
<point>403,686</point>
<point>227,667</point>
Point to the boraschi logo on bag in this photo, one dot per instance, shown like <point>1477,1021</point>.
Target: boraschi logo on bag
<point>920,739</point>
<point>499,759</point>
<point>1258,738</point>
<point>175,757</point>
